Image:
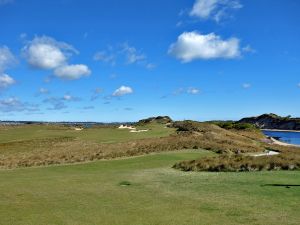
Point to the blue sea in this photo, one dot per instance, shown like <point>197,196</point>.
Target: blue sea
<point>284,136</point>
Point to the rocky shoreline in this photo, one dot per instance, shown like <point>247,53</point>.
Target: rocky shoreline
<point>274,122</point>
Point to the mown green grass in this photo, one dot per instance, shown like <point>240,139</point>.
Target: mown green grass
<point>100,134</point>
<point>93,193</point>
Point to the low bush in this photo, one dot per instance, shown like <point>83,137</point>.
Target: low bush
<point>235,125</point>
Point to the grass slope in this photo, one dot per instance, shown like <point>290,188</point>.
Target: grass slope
<point>146,191</point>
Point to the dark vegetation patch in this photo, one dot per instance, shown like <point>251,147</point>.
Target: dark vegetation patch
<point>158,119</point>
<point>124,183</point>
<point>281,185</point>
<point>228,125</point>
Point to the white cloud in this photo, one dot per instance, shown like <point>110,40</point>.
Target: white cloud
<point>193,91</point>
<point>298,85</point>
<point>193,45</point>
<point>5,81</point>
<point>214,9</point>
<point>103,56</point>
<point>248,49</point>
<point>132,55</point>
<point>150,66</point>
<point>190,90</point>
<point>203,8</point>
<point>7,59</point>
<point>123,90</point>
<point>68,97</point>
<point>124,53</point>
<point>72,72</point>
<point>47,53</point>
<point>246,85</point>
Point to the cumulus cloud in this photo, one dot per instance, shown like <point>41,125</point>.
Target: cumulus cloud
<point>47,53</point>
<point>7,59</point>
<point>193,45</point>
<point>6,81</point>
<point>15,105</point>
<point>214,9</point>
<point>123,90</point>
<point>72,72</point>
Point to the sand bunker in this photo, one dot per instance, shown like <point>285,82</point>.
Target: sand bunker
<point>126,127</point>
<point>131,128</point>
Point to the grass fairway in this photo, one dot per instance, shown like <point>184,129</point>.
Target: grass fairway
<point>100,134</point>
<point>146,190</point>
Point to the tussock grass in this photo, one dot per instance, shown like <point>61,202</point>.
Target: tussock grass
<point>288,159</point>
<point>65,148</point>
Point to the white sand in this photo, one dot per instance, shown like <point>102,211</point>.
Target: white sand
<point>126,127</point>
<point>268,153</point>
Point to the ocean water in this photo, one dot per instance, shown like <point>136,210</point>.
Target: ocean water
<point>288,137</point>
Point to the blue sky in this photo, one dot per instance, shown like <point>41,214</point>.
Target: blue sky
<point>113,60</point>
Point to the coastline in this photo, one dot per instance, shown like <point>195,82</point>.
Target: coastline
<point>276,130</point>
<point>276,142</point>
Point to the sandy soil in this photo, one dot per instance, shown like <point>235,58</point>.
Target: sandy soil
<point>298,131</point>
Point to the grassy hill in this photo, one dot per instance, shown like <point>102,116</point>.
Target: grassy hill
<point>37,145</point>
